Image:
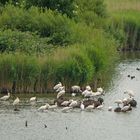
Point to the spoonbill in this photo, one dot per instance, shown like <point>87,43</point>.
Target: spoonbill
<point>46,106</point>
<point>32,99</point>
<point>65,109</point>
<point>6,97</point>
<point>60,93</point>
<point>57,86</point>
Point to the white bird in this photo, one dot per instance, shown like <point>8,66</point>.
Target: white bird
<point>96,93</point>
<point>65,109</point>
<point>76,89</point>
<point>32,99</point>
<point>44,107</point>
<point>88,88</point>
<point>60,89</point>
<point>16,101</point>
<point>52,107</point>
<point>130,93</point>
<point>60,93</point>
<point>100,106</point>
<point>73,104</point>
<point>73,94</point>
<point>110,108</point>
<point>57,86</point>
<point>118,101</point>
<point>6,97</point>
<point>90,107</point>
<point>100,90</point>
<point>82,106</point>
<point>125,108</point>
<point>65,103</point>
<point>87,93</point>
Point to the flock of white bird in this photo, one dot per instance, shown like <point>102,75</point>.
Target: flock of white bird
<point>88,94</point>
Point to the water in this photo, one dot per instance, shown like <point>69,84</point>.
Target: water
<point>76,125</point>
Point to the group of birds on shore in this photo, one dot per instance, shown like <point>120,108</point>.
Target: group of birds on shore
<point>90,100</point>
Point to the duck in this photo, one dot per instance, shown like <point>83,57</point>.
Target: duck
<point>118,108</point>
<point>6,97</point>
<point>88,102</point>
<point>138,69</point>
<point>132,77</point>
<point>133,103</point>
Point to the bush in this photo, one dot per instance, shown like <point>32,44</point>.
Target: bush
<point>62,6</point>
<point>25,42</point>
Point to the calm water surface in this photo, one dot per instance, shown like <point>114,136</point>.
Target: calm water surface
<point>76,125</point>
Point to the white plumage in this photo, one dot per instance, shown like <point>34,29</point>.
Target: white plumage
<point>65,109</point>
<point>125,108</point>
<point>65,103</point>
<point>73,104</point>
<point>52,107</point>
<point>46,106</point>
<point>100,106</point>
<point>16,101</point>
<point>60,93</point>
<point>75,88</point>
<point>90,107</point>
<point>73,94</point>
<point>82,106</point>
<point>118,101</point>
<point>57,86</point>
<point>100,90</point>
<point>32,99</point>
<point>110,108</point>
<point>88,88</point>
<point>130,93</point>
<point>96,93</point>
<point>6,97</point>
<point>60,89</point>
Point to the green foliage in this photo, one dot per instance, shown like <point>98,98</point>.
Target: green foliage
<point>62,6</point>
<point>75,67</point>
<point>90,11</point>
<point>46,24</point>
<point>20,68</point>
<point>43,45</point>
<point>26,42</point>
